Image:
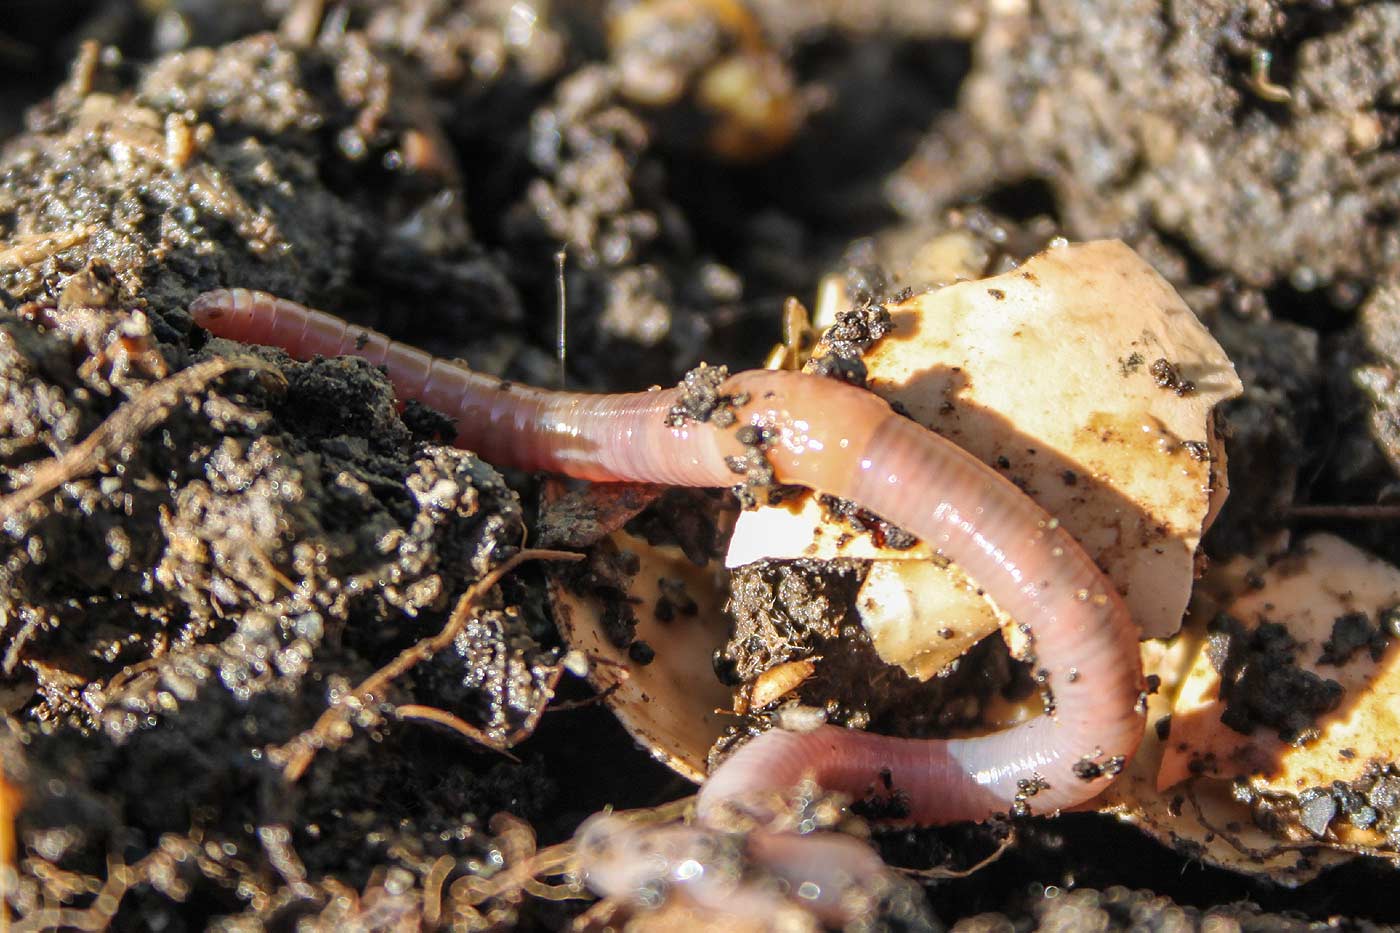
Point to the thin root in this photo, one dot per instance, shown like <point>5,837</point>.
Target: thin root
<point>443,718</point>
<point>940,873</point>
<point>432,890</point>
<point>25,251</point>
<point>125,676</point>
<point>120,879</point>
<point>1281,848</point>
<point>554,860</point>
<point>123,427</point>
<point>328,732</point>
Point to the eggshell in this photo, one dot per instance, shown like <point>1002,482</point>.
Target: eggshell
<point>1047,373</point>
<point>1306,592</point>
<point>673,705</point>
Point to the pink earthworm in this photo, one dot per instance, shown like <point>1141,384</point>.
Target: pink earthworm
<point>843,441</point>
<point>833,876</point>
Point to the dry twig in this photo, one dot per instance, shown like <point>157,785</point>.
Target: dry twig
<point>937,872</point>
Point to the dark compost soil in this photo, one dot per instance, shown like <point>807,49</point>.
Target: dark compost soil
<point>183,593</point>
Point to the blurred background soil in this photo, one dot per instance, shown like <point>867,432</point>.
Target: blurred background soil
<point>183,600</point>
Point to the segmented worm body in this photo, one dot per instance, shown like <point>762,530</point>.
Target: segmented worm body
<point>844,441</point>
<point>833,876</point>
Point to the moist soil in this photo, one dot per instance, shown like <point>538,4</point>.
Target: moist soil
<point>198,556</point>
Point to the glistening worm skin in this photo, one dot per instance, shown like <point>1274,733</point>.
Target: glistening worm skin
<point>846,442</point>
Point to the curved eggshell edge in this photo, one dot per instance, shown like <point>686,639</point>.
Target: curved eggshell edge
<point>673,705</point>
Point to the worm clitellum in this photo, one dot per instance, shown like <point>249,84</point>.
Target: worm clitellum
<point>847,442</point>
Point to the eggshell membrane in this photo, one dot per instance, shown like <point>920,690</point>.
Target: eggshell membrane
<point>1305,592</point>
<point>672,705</point>
<point>1201,819</point>
<point>1044,373</point>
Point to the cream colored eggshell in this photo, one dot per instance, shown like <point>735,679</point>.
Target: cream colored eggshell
<point>896,589</point>
<point>1201,819</point>
<point>670,706</point>
<point>774,532</point>
<point>1305,592</point>
<point>1044,371</point>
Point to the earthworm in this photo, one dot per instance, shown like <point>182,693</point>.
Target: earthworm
<point>833,876</point>
<point>844,441</point>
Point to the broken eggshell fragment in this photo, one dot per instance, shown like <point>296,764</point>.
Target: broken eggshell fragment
<point>1293,699</point>
<point>1083,377</point>
<point>661,685</point>
<point>1202,819</point>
